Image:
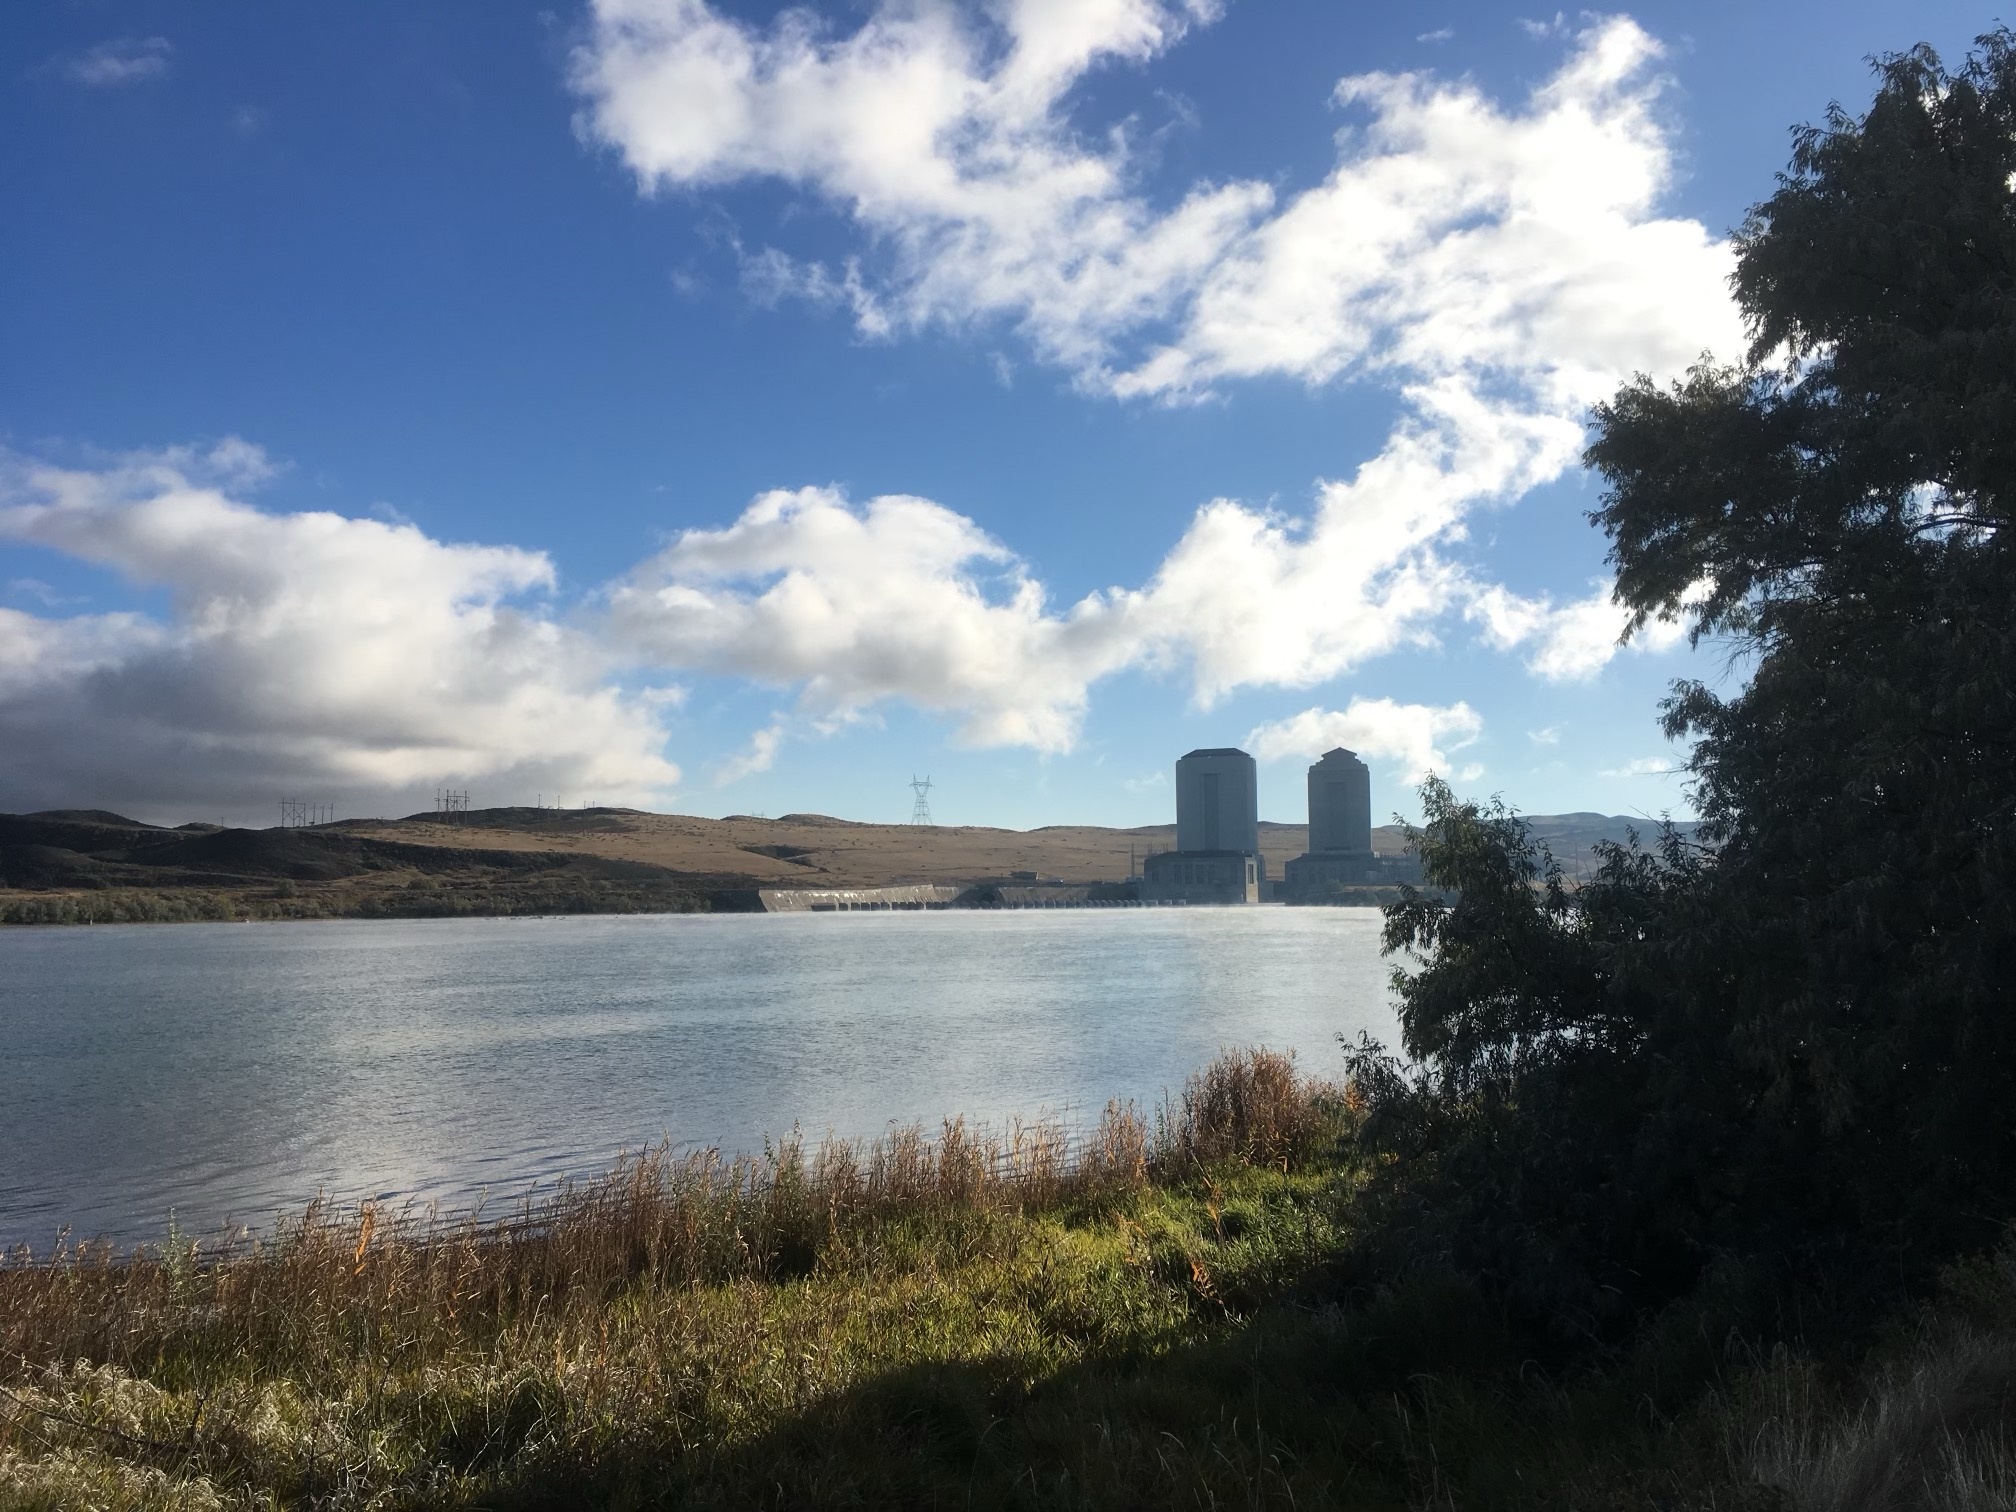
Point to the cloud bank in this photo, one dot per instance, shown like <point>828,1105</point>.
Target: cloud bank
<point>352,658</point>
<point>905,598</point>
<point>1490,267</point>
<point>1495,268</point>
<point>941,132</point>
<point>1453,236</point>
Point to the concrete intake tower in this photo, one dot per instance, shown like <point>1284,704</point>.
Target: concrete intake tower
<point>1217,855</point>
<point>1340,829</point>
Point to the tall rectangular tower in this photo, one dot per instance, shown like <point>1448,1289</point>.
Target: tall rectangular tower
<point>1217,855</point>
<point>1217,801</point>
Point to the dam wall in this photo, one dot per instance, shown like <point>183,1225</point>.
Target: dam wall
<point>846,899</point>
<point>935,896</point>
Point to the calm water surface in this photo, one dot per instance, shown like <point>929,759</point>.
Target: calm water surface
<point>232,1071</point>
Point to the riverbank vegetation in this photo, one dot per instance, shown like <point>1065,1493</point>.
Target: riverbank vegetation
<point>1176,1312</point>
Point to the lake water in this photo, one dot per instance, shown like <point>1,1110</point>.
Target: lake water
<point>231,1071</point>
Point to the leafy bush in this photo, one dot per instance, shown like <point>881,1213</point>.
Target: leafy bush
<point>1561,1132</point>
<point>1799,1047</point>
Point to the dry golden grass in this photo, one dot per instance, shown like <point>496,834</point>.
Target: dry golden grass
<point>660,1217</point>
<point>846,854</point>
<point>1137,1317</point>
<point>359,1355</point>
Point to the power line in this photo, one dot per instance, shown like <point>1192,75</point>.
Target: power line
<point>920,811</point>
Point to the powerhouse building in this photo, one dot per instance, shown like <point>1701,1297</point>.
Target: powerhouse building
<point>1217,856</point>
<point>1340,830</point>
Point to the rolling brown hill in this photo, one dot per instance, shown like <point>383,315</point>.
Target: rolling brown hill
<point>91,864</point>
<point>800,850</point>
<point>816,850</point>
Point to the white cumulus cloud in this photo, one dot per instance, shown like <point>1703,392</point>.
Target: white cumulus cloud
<point>1416,738</point>
<point>941,130</point>
<point>759,755</point>
<point>1453,235</point>
<point>1496,267</point>
<point>900,598</point>
<point>1457,239</point>
<point>354,659</point>
<point>1569,642</point>
<point>904,598</point>
<point>1643,766</point>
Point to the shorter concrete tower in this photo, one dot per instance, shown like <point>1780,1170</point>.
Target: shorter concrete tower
<point>1340,804</point>
<point>1340,833</point>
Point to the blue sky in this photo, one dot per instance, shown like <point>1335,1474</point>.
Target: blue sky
<point>736,409</point>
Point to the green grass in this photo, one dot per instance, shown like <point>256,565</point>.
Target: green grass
<point>1165,1318</point>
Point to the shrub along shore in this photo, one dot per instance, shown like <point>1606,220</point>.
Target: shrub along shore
<point>1168,1314</point>
<point>447,900</point>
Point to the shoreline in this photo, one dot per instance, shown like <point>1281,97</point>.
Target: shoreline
<point>22,908</point>
<point>1249,1100</point>
<point>1177,1313</point>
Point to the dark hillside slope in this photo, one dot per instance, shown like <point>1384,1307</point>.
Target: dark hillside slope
<point>525,819</point>
<point>92,816</point>
<point>36,851</point>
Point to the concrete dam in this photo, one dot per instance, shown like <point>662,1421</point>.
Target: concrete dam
<point>941,896</point>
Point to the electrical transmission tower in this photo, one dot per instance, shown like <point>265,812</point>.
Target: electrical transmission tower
<point>293,813</point>
<point>920,811</point>
<point>450,805</point>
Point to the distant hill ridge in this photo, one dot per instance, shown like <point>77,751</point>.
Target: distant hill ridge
<point>542,849</point>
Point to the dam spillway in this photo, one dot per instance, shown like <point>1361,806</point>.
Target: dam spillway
<point>933,896</point>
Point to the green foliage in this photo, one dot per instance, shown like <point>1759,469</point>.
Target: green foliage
<point>121,906</point>
<point>1173,1344</point>
<point>1176,1343</point>
<point>1797,1047</point>
<point>913,1323</point>
<point>1849,507</point>
<point>1560,1131</point>
<point>1874,425</point>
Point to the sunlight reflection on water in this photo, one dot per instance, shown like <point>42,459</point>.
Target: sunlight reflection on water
<point>229,1072</point>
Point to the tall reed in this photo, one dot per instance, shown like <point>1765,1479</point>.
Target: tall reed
<point>333,1279</point>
